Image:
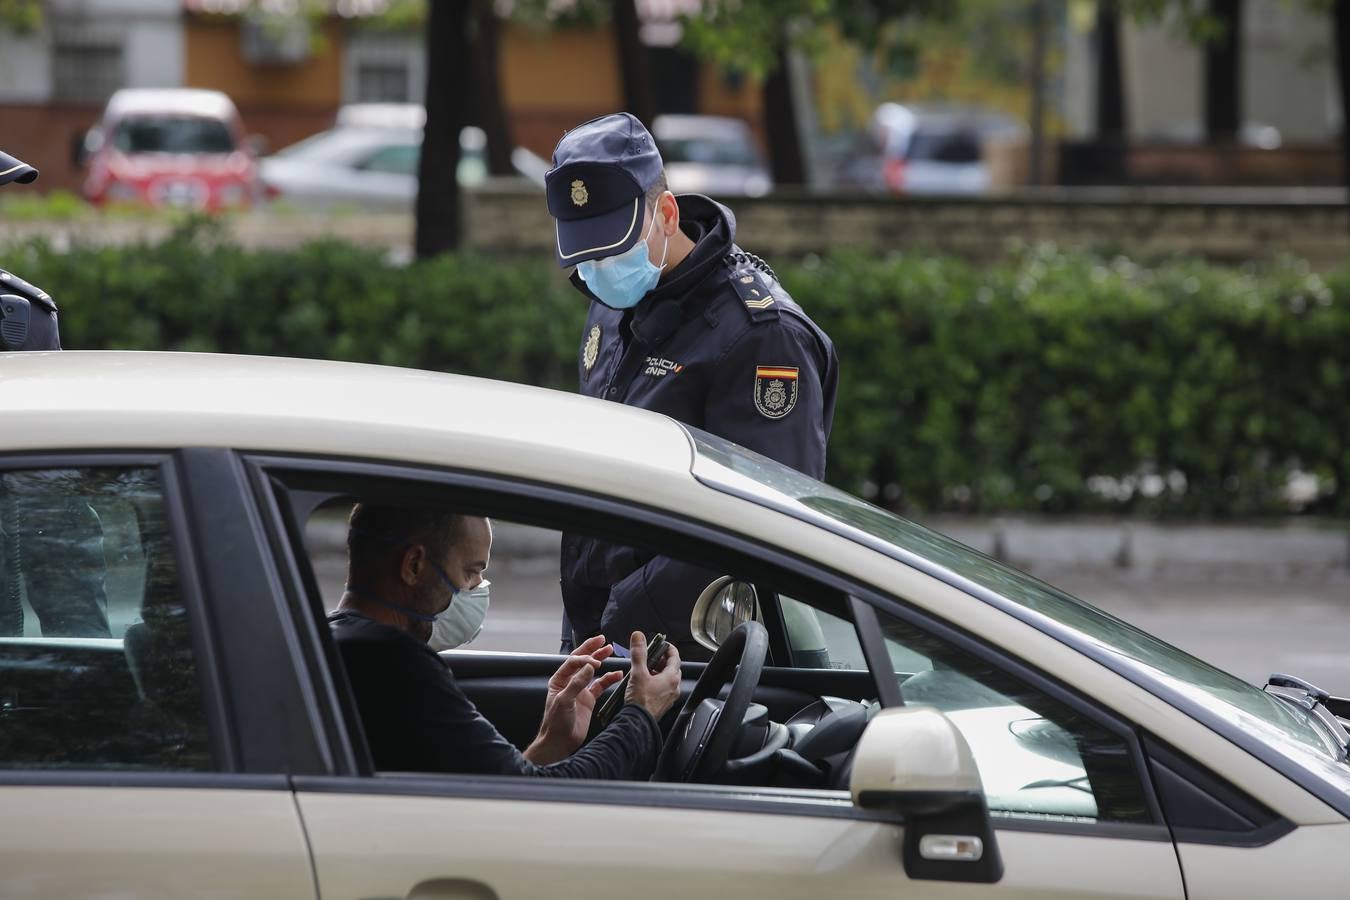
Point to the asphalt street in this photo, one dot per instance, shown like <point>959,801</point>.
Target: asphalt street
<point>1299,626</point>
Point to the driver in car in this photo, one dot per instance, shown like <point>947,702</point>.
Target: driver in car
<point>405,569</point>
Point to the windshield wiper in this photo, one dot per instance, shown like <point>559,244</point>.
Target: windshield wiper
<point>1332,712</point>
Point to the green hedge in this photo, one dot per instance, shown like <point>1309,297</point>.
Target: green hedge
<point>1055,381</point>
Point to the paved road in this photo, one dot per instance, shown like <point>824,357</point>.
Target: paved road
<point>1250,628</point>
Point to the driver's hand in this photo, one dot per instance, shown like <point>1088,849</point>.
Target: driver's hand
<point>572,692</point>
<point>655,693</point>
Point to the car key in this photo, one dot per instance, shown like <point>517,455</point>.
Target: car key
<point>656,654</point>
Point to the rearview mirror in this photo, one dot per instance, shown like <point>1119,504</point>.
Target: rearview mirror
<point>722,606</point>
<point>914,761</point>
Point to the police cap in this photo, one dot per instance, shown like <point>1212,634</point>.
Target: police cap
<point>12,169</point>
<point>601,171</point>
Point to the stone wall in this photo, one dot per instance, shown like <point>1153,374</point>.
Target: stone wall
<point>1221,224</point>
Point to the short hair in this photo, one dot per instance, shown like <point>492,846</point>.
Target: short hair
<point>659,187</point>
<point>373,532</point>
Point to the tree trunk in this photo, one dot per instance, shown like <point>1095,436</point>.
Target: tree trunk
<point>489,111</point>
<point>780,125</point>
<point>447,104</point>
<point>1111,121</point>
<point>1223,75</point>
<point>1036,171</point>
<point>635,63</point>
<point>1341,29</point>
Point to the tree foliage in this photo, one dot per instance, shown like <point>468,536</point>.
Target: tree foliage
<point>21,16</point>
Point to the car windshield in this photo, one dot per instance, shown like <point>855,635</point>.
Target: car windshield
<point>173,134</point>
<point>945,146</point>
<point>725,466</point>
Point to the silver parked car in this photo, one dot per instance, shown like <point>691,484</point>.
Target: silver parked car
<point>937,150</point>
<point>369,160</point>
<point>714,155</point>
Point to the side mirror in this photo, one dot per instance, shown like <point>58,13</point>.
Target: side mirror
<point>914,762</point>
<point>83,145</point>
<point>722,606</point>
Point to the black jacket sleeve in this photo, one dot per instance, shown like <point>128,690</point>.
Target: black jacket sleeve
<point>417,719</point>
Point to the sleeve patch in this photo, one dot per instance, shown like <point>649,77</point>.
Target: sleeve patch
<point>775,390</point>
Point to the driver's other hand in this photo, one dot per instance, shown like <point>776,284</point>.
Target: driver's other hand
<point>655,693</point>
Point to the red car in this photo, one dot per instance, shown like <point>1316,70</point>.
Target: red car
<point>171,147</point>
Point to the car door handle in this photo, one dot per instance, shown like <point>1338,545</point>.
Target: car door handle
<point>452,889</point>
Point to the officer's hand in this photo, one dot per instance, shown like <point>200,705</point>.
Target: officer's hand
<point>655,693</point>
<point>572,692</point>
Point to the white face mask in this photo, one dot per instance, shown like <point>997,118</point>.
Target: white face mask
<point>462,620</point>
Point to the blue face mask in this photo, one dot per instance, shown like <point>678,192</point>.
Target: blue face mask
<point>623,280</point>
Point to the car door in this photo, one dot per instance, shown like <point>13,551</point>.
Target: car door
<point>1070,796</point>
<point>440,835</point>
<point>120,773</point>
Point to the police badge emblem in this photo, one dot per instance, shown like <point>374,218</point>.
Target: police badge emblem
<point>579,193</point>
<point>592,348</point>
<point>775,390</point>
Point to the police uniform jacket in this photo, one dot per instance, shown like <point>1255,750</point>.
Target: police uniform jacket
<point>719,345</point>
<point>27,316</point>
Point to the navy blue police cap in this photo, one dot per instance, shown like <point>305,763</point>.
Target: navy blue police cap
<point>12,169</point>
<point>601,171</point>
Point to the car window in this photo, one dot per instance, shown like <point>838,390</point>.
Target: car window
<point>709,151</point>
<point>173,134</point>
<point>399,159</point>
<point>1036,755</point>
<point>945,146</point>
<point>818,640</point>
<point>96,660</point>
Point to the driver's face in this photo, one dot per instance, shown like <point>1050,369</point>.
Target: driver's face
<point>460,568</point>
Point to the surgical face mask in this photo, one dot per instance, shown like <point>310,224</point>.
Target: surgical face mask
<point>621,281</point>
<point>462,620</point>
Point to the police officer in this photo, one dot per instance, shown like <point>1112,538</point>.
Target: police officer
<point>51,542</point>
<point>684,322</point>
<point>27,314</point>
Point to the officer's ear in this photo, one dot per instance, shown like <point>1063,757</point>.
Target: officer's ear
<point>669,208</point>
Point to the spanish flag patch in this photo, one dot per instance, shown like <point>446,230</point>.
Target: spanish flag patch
<point>775,390</point>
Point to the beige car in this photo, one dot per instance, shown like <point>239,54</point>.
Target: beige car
<point>906,718</point>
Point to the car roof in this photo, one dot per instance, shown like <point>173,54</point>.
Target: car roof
<point>150,400</point>
<point>675,126</point>
<point>172,101</point>
<point>381,115</point>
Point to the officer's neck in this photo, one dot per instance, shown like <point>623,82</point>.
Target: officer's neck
<point>680,248</point>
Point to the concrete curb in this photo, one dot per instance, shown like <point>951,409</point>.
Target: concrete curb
<point>1293,551</point>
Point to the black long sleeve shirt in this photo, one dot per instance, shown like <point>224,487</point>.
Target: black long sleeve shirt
<point>417,719</point>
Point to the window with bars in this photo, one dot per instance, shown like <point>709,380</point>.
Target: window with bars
<point>87,65</point>
<point>382,82</point>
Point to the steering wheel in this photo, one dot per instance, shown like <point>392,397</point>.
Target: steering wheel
<point>700,742</point>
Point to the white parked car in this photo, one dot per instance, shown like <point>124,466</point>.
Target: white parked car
<point>937,150</point>
<point>370,158</point>
<point>714,155</point>
<point>906,717</point>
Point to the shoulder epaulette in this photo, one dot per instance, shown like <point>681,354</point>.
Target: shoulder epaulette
<point>747,277</point>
